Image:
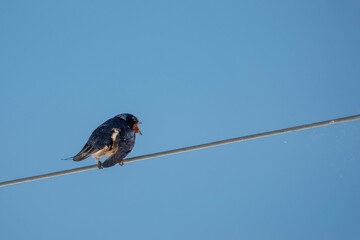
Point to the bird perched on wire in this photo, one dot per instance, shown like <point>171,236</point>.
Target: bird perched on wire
<point>114,138</point>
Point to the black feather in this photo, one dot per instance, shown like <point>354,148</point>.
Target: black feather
<point>125,141</point>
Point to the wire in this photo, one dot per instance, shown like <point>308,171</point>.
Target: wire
<point>187,149</point>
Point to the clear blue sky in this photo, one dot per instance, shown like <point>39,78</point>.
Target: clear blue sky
<point>192,72</point>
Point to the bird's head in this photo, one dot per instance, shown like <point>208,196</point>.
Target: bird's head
<point>131,121</point>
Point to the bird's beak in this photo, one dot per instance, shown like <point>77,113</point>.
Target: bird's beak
<point>136,128</point>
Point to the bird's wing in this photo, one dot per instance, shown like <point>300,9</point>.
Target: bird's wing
<point>125,141</point>
<point>101,138</point>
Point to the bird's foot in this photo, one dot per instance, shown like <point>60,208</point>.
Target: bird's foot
<point>99,165</point>
<point>121,163</point>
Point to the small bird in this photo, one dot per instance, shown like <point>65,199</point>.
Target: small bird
<point>114,138</point>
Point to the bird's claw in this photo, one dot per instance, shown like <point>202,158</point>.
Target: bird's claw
<point>121,163</point>
<point>99,165</point>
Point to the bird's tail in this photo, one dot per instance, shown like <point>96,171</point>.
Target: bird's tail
<point>85,152</point>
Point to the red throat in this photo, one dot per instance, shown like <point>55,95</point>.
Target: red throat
<point>136,128</point>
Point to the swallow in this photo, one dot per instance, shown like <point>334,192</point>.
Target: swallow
<point>114,138</point>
